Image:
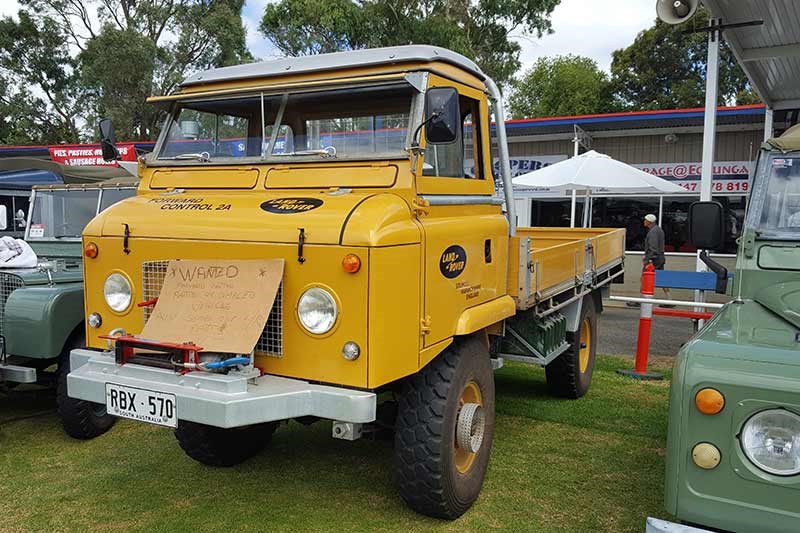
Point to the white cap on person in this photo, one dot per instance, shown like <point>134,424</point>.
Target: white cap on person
<point>650,218</point>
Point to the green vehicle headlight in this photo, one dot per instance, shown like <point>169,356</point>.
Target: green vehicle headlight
<point>771,440</point>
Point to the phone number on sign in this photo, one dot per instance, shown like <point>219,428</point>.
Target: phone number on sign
<point>726,186</point>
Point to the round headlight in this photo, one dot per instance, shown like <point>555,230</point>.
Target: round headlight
<point>117,292</point>
<point>317,310</point>
<point>771,440</point>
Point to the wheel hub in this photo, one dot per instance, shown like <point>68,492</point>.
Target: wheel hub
<point>470,427</point>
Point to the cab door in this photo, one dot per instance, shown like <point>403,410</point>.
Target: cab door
<point>465,232</point>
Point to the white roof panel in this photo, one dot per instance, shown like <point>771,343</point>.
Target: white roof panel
<point>335,61</point>
<point>770,53</point>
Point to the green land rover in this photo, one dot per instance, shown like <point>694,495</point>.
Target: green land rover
<point>733,447</point>
<point>41,308</point>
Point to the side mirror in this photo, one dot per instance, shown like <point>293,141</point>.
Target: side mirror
<point>706,225</point>
<point>3,217</point>
<point>442,114</point>
<point>108,141</point>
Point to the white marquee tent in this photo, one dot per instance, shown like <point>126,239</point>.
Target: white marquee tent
<point>592,173</point>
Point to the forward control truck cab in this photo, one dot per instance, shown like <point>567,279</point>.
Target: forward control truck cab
<point>369,174</point>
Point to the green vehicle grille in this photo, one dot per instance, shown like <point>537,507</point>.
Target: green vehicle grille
<point>8,284</point>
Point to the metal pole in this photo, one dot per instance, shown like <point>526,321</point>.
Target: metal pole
<point>502,149</point>
<point>768,124</point>
<point>709,130</point>
<point>577,144</point>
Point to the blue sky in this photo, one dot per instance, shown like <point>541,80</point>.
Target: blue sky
<point>592,28</point>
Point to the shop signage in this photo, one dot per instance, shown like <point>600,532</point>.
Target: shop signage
<point>85,155</point>
<point>519,165</point>
<point>730,177</point>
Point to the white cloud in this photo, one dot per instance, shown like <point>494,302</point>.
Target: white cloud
<point>259,46</point>
<point>591,28</point>
<point>9,7</point>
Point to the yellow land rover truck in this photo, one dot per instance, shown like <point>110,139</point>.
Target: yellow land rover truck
<point>370,174</point>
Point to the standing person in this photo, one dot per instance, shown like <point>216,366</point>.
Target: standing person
<point>654,246</point>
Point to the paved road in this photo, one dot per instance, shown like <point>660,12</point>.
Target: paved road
<point>618,329</point>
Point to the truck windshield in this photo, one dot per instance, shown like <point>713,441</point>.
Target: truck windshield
<point>356,122</point>
<point>63,213</point>
<point>780,212</point>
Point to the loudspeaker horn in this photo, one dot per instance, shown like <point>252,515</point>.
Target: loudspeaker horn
<point>676,11</point>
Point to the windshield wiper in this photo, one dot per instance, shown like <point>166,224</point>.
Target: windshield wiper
<point>330,151</point>
<point>202,156</point>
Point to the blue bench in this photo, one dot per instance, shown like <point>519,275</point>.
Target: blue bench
<point>682,279</point>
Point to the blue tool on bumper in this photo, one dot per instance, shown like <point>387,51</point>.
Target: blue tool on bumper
<point>227,363</point>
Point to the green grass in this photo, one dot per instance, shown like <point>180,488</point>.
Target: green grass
<point>595,464</point>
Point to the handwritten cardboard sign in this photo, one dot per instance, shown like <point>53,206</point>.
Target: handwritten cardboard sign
<point>220,305</point>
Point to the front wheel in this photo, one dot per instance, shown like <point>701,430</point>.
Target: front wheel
<point>80,419</point>
<point>444,430</point>
<point>215,446</point>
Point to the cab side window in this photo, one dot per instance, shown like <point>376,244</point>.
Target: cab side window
<point>461,158</point>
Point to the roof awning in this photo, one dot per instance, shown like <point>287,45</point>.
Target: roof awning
<point>770,53</point>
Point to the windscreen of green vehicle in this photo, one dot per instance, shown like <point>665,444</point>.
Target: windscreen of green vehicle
<point>62,214</point>
<point>780,211</point>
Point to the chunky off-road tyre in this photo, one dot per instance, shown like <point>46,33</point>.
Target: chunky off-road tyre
<point>215,446</point>
<point>438,472</point>
<point>79,418</point>
<point>570,374</point>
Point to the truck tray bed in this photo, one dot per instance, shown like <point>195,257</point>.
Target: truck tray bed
<point>551,267</point>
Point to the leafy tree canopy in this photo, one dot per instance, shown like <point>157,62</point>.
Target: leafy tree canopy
<point>92,58</point>
<point>559,86</point>
<point>38,82</point>
<point>478,29</point>
<point>665,68</point>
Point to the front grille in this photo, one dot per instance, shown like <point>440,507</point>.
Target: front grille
<point>271,341</point>
<point>8,284</point>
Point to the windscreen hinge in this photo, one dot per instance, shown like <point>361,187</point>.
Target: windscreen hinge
<point>425,325</point>
<point>421,206</point>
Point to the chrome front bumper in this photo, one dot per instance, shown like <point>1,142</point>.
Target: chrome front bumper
<point>220,400</point>
<point>17,374</point>
<point>655,525</point>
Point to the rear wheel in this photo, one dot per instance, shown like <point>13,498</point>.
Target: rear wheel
<point>444,430</point>
<point>570,374</point>
<point>80,419</point>
<point>215,446</point>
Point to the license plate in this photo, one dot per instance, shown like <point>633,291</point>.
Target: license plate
<point>142,404</point>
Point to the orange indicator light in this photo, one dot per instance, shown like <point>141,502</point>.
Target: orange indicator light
<point>90,250</point>
<point>351,263</point>
<point>709,401</point>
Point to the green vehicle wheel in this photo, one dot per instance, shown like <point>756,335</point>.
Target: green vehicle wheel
<point>81,419</point>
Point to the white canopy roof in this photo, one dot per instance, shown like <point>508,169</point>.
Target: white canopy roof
<point>769,54</point>
<point>596,173</point>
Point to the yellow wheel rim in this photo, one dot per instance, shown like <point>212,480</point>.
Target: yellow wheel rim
<point>463,458</point>
<point>586,345</point>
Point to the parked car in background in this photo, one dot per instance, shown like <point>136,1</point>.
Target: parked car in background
<point>41,308</point>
